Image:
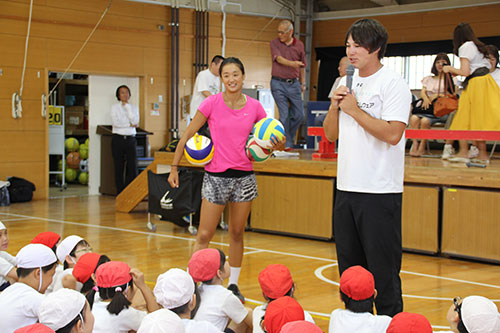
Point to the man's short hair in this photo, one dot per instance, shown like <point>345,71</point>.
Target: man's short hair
<point>217,59</point>
<point>370,34</point>
<point>288,23</point>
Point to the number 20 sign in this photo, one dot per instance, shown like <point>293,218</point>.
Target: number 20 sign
<point>55,115</point>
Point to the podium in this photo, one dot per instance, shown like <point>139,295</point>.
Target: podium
<point>107,185</point>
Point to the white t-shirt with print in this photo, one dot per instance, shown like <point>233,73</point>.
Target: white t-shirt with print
<point>195,326</point>
<point>19,307</point>
<point>218,305</point>
<point>105,322</point>
<point>365,163</point>
<point>476,59</point>
<point>205,81</point>
<point>259,312</point>
<point>7,263</point>
<point>345,321</point>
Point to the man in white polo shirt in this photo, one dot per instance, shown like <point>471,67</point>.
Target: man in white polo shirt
<point>369,122</point>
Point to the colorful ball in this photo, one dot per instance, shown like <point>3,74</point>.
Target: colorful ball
<point>255,152</point>
<point>267,129</point>
<point>71,175</point>
<point>60,164</point>
<point>71,144</point>
<point>73,160</point>
<point>84,165</point>
<point>83,178</point>
<point>87,142</point>
<point>199,150</point>
<point>84,151</point>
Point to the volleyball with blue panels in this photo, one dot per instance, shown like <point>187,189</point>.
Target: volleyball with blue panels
<point>255,152</point>
<point>266,129</point>
<point>199,150</point>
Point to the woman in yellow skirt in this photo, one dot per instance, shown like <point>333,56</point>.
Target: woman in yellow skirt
<point>479,104</point>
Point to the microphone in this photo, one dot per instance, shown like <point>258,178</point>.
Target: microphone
<point>349,73</point>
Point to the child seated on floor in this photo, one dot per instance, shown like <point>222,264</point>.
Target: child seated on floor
<point>52,240</point>
<point>473,314</point>
<point>280,312</point>
<point>218,304</point>
<point>68,252</point>
<point>84,270</point>
<point>162,321</point>
<point>175,290</point>
<point>357,291</point>
<point>406,322</point>
<point>36,265</point>
<point>7,261</point>
<point>116,284</point>
<point>275,282</point>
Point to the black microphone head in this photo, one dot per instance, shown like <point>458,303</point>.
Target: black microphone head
<point>350,70</point>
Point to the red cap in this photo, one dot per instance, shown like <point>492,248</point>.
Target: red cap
<point>300,326</point>
<point>275,281</point>
<point>281,311</point>
<point>85,266</point>
<point>47,238</point>
<point>204,264</point>
<point>112,274</point>
<point>405,322</point>
<point>357,283</point>
<point>35,328</point>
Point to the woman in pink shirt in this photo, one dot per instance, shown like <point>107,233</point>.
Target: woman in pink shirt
<point>229,177</point>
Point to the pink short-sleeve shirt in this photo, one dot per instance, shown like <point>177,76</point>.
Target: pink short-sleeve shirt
<point>230,130</point>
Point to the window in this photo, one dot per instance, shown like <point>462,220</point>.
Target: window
<point>414,68</point>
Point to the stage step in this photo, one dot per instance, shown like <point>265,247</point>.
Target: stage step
<point>135,192</point>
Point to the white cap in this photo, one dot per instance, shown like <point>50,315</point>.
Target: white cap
<point>59,308</point>
<point>35,256</point>
<point>2,226</point>
<point>161,321</point>
<point>66,246</point>
<point>174,288</point>
<point>480,315</point>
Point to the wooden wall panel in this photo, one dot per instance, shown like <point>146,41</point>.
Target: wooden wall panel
<point>471,232</point>
<point>35,172</point>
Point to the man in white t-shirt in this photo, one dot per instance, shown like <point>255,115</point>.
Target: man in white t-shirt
<point>36,265</point>
<point>207,83</point>
<point>357,291</point>
<point>369,123</point>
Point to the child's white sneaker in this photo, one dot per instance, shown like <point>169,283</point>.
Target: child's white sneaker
<point>448,152</point>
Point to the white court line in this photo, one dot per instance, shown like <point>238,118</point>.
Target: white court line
<point>252,252</point>
<point>165,236</point>
<point>319,274</point>
<point>17,219</point>
<point>318,271</point>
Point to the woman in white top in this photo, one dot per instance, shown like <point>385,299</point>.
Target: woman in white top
<point>493,58</point>
<point>125,119</point>
<point>480,98</point>
<point>431,86</point>
<point>7,262</point>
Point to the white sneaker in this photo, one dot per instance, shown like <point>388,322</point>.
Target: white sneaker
<point>448,152</point>
<point>473,152</point>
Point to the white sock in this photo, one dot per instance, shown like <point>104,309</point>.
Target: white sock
<point>235,275</point>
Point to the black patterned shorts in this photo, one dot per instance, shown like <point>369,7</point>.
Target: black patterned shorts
<point>220,190</point>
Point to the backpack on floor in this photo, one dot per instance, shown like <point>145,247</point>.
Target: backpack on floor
<point>20,189</point>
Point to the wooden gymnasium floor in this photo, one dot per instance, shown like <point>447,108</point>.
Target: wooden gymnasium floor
<point>429,283</point>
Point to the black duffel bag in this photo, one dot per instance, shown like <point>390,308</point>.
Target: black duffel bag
<point>20,189</point>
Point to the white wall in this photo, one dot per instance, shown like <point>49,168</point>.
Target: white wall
<point>101,97</point>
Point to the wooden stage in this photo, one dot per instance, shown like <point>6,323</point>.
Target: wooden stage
<point>448,208</point>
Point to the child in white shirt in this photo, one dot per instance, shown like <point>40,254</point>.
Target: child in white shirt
<point>7,262</point>
<point>275,281</point>
<point>69,252</point>
<point>357,291</point>
<point>36,265</point>
<point>218,304</point>
<point>112,311</point>
<point>175,290</point>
